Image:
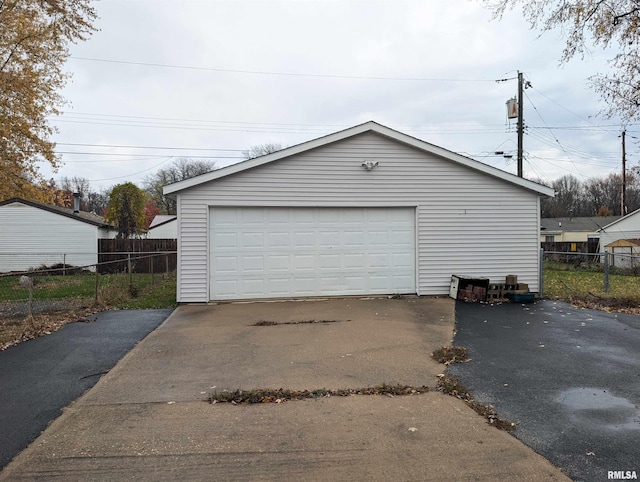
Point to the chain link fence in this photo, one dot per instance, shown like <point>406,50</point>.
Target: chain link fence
<point>603,274</point>
<point>61,286</point>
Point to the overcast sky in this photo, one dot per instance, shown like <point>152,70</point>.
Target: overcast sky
<point>164,79</point>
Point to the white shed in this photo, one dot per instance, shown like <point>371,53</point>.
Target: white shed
<point>34,234</point>
<point>163,227</point>
<point>364,211</point>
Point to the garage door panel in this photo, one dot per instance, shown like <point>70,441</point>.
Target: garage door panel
<point>329,261</point>
<point>224,240</point>
<point>252,264</point>
<point>277,263</point>
<point>327,239</point>
<point>303,239</point>
<point>251,240</point>
<point>304,262</point>
<point>253,287</point>
<point>354,261</point>
<point>354,239</point>
<point>379,260</point>
<point>226,264</point>
<point>277,240</point>
<point>283,252</point>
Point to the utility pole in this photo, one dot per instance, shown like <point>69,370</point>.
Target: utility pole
<point>623,194</point>
<point>521,123</point>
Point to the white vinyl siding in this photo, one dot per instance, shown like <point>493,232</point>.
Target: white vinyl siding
<point>30,237</point>
<point>164,231</point>
<point>627,228</point>
<point>468,222</point>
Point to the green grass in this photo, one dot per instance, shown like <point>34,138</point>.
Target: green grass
<point>160,296</point>
<point>113,289</point>
<point>582,283</point>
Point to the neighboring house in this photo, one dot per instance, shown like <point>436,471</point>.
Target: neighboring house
<point>34,234</point>
<point>364,211</point>
<point>625,253</point>
<point>619,236</point>
<point>163,227</point>
<point>571,229</point>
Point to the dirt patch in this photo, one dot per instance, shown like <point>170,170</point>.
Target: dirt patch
<point>450,385</point>
<point>281,395</point>
<point>301,322</point>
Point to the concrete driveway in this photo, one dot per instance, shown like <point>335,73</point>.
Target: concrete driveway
<point>147,418</point>
<point>569,377</point>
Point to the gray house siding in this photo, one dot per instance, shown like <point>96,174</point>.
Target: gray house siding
<point>468,222</point>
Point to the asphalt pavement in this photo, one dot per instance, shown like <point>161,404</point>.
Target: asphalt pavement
<point>40,377</point>
<point>569,378</point>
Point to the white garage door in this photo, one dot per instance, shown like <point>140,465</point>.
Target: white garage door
<point>288,252</point>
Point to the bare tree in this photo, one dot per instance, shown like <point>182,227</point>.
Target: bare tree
<point>261,150</point>
<point>179,170</point>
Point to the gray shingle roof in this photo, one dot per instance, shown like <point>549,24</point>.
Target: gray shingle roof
<point>586,224</point>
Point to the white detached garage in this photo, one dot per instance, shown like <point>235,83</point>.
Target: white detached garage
<point>364,211</point>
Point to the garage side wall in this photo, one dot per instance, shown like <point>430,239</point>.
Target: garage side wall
<point>467,222</point>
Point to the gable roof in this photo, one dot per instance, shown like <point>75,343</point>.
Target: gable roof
<point>577,224</point>
<point>620,219</point>
<point>82,216</point>
<point>624,243</point>
<point>162,219</point>
<point>370,126</point>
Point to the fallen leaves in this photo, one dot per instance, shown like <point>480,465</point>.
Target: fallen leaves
<point>281,395</point>
<point>14,331</point>
<point>450,385</point>
<point>451,354</point>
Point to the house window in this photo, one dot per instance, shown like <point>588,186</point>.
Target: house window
<point>549,239</point>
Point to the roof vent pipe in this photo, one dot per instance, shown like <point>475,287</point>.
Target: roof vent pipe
<point>76,203</point>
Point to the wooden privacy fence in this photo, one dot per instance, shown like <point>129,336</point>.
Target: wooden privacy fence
<point>583,252</point>
<point>143,255</point>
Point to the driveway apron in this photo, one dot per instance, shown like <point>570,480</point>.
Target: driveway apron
<point>148,419</point>
<point>569,378</point>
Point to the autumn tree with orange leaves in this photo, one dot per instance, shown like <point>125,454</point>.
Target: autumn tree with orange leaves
<point>34,45</point>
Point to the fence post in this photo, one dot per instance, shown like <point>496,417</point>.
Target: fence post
<point>606,272</point>
<point>130,274</point>
<point>30,300</point>
<point>541,289</point>
<point>95,294</point>
<point>64,264</point>
<point>151,263</point>
<point>166,259</point>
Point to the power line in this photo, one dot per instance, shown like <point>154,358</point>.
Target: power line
<point>148,147</point>
<point>288,74</point>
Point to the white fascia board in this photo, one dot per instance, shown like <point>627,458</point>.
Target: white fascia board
<point>370,126</point>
